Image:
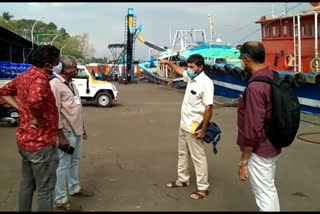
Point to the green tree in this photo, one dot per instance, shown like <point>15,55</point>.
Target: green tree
<point>52,26</point>
<point>7,16</point>
<point>77,46</point>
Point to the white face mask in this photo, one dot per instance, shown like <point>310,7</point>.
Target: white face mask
<point>57,69</point>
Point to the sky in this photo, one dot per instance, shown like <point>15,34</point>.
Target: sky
<point>105,22</point>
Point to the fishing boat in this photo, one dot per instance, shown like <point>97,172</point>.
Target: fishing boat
<point>185,44</point>
<point>291,44</point>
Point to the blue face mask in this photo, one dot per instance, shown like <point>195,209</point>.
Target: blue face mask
<point>191,74</point>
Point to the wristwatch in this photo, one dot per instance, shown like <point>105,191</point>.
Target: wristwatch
<point>241,164</point>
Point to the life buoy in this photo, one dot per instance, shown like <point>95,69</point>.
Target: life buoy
<point>315,65</point>
<point>289,61</point>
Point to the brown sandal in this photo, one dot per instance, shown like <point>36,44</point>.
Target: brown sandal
<point>200,194</point>
<point>173,184</point>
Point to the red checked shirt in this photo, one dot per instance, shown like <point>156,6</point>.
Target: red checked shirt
<point>34,93</point>
<point>252,114</point>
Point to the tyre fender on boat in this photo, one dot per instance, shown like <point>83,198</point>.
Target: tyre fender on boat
<point>317,80</point>
<point>299,80</point>
<point>315,65</point>
<point>289,61</point>
<point>215,67</point>
<point>236,71</point>
<point>221,68</point>
<point>227,68</point>
<point>244,75</point>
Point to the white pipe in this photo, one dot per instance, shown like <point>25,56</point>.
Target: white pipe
<point>316,34</point>
<point>316,39</point>
<point>174,41</point>
<point>32,30</point>
<point>299,43</point>
<point>294,43</point>
<point>170,36</point>
<point>54,39</point>
<point>62,49</point>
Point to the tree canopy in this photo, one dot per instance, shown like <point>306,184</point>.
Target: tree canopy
<point>43,33</point>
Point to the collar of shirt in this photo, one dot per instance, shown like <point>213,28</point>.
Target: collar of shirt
<point>62,79</point>
<point>260,72</point>
<point>198,77</point>
<point>40,70</point>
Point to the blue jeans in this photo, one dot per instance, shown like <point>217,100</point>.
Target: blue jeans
<point>68,167</point>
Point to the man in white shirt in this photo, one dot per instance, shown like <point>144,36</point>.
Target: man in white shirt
<point>70,135</point>
<point>196,108</point>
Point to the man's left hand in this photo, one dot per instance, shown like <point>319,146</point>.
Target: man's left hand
<point>243,173</point>
<point>200,134</point>
<point>84,136</point>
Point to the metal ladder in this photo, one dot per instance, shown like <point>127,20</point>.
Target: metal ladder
<point>133,42</point>
<point>297,44</point>
<point>125,39</point>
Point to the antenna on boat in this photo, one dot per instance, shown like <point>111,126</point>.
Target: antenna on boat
<point>272,11</point>
<point>285,9</point>
<point>211,29</point>
<point>170,36</point>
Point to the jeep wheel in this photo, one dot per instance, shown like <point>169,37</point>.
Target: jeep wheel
<point>103,99</point>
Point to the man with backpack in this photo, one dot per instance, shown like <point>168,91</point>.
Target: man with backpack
<point>261,130</point>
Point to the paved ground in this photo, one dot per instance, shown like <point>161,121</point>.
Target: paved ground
<point>131,154</point>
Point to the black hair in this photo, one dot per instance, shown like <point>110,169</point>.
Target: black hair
<point>253,50</point>
<point>45,54</point>
<point>196,59</point>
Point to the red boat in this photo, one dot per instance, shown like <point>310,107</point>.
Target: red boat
<point>292,45</point>
<point>292,42</point>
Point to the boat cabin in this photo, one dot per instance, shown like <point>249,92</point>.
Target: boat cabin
<point>292,42</point>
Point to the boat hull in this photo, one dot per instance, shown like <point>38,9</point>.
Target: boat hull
<point>231,86</point>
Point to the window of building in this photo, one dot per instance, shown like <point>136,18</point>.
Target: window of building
<point>269,33</point>
<point>310,29</point>
<point>303,30</point>
<point>279,31</point>
<point>274,31</point>
<point>284,30</point>
<point>290,31</point>
<point>264,31</point>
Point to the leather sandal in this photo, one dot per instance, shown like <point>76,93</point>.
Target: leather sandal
<point>173,184</point>
<point>200,194</point>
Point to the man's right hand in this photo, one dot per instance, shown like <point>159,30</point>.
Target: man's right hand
<point>36,123</point>
<point>63,142</point>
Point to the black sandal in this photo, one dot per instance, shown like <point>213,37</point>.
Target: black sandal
<point>198,193</point>
<point>174,184</point>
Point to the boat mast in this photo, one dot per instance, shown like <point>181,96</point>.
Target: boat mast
<point>316,40</point>
<point>211,29</point>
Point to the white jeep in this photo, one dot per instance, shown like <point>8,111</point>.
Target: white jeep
<point>101,93</point>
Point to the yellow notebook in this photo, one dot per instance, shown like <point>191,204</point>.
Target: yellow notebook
<point>194,126</point>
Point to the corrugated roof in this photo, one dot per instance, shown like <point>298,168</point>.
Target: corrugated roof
<point>14,39</point>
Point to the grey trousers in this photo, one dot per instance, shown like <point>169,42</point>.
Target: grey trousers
<point>38,172</point>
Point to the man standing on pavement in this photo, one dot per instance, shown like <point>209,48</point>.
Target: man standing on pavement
<point>196,109</point>
<point>71,133</point>
<point>259,155</point>
<point>37,131</point>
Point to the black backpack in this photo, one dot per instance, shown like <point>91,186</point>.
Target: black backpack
<point>282,128</point>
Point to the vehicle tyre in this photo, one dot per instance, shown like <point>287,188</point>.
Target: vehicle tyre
<point>103,99</point>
